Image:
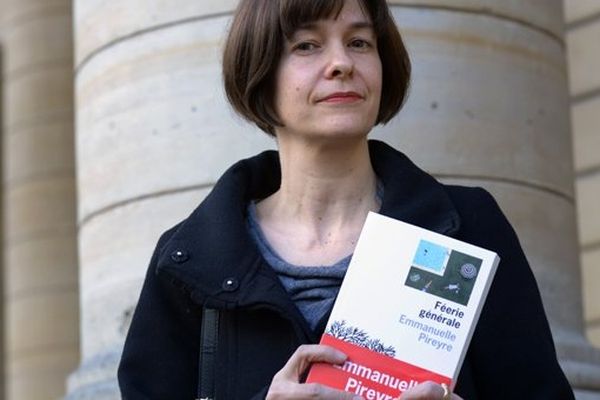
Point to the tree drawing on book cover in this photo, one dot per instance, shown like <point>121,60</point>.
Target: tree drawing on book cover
<point>340,330</point>
<point>443,272</point>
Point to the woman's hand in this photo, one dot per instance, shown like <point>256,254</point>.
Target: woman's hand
<point>286,383</point>
<point>428,391</point>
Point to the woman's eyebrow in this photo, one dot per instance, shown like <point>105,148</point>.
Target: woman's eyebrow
<point>314,25</point>
<point>361,25</point>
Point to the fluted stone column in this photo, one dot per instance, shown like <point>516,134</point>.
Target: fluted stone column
<point>489,107</point>
<point>39,240</point>
<point>153,135</point>
<point>583,34</point>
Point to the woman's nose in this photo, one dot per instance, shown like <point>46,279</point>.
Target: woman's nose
<point>340,63</point>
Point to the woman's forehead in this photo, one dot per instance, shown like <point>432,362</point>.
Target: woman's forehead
<point>301,14</point>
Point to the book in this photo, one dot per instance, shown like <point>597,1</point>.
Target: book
<point>406,310</point>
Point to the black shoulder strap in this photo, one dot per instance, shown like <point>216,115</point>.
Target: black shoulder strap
<point>208,353</point>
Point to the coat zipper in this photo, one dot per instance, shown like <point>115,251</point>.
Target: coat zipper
<point>209,334</point>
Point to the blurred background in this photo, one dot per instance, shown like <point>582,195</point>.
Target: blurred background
<point>114,127</point>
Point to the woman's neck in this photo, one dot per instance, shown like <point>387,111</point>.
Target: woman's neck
<point>326,192</point>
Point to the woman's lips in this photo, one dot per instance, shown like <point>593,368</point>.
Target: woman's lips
<point>341,97</point>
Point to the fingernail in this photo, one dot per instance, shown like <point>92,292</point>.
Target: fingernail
<point>341,358</point>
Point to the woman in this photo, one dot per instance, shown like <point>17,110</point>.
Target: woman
<point>238,293</point>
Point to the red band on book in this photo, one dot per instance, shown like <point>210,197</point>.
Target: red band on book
<point>372,375</point>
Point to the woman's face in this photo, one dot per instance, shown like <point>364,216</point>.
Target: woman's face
<point>328,82</point>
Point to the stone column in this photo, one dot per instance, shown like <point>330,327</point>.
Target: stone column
<point>38,186</point>
<point>490,107</point>
<point>153,134</point>
<point>583,34</point>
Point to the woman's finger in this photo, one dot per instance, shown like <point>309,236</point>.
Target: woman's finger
<point>286,383</point>
<point>286,390</point>
<point>307,354</point>
<point>322,392</point>
<point>424,391</point>
<point>427,391</point>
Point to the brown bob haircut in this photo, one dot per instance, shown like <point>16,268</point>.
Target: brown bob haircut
<point>256,42</point>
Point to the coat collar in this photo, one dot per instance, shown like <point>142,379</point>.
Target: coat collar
<point>212,254</point>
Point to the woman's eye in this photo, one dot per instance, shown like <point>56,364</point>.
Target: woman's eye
<point>305,46</point>
<point>360,44</point>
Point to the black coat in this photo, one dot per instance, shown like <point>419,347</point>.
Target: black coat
<point>210,261</point>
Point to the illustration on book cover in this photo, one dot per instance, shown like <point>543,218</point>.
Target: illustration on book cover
<point>351,334</point>
<point>443,272</point>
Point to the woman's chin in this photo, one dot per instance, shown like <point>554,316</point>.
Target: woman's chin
<point>334,131</point>
<point>337,135</point>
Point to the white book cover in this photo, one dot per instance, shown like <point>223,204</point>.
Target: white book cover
<point>406,310</point>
